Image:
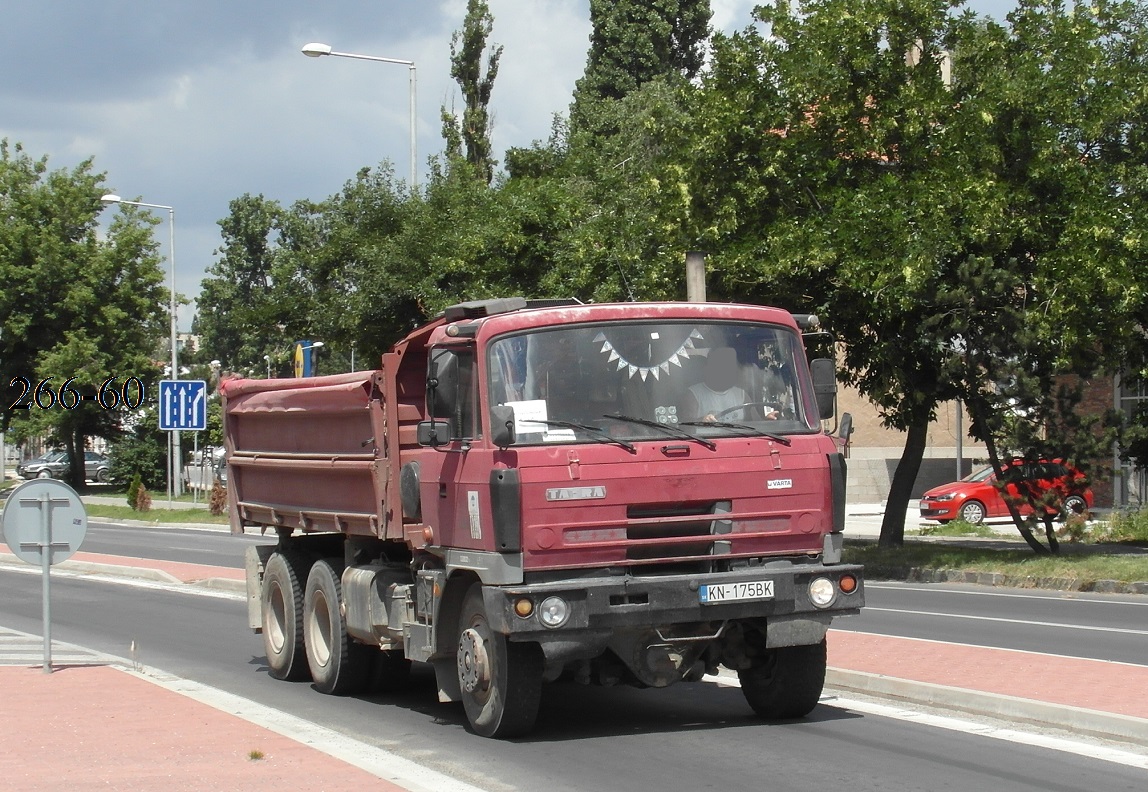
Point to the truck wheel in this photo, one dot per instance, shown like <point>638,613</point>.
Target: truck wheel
<point>339,666</point>
<point>501,681</point>
<point>282,608</point>
<point>786,683</point>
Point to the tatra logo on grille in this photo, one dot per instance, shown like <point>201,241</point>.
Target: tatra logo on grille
<point>575,493</point>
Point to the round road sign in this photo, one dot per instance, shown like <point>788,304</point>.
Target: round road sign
<point>26,509</point>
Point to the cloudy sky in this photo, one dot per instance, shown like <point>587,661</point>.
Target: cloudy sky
<point>191,103</point>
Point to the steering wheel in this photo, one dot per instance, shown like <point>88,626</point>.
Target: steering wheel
<point>766,405</point>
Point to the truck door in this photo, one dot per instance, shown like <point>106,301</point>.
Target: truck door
<point>455,479</point>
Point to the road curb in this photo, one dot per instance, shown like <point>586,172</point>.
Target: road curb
<point>1103,725</point>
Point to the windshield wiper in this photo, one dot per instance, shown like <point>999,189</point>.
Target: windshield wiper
<point>593,431</point>
<point>673,430</point>
<point>744,427</point>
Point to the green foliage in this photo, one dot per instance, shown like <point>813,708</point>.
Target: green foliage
<point>133,491</point>
<point>141,454</point>
<point>1129,527</point>
<point>946,230</point>
<point>74,308</point>
<point>957,528</point>
<point>1077,570</point>
<point>633,43</point>
<point>473,129</point>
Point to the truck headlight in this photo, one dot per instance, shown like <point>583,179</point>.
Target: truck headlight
<point>553,612</point>
<point>822,592</point>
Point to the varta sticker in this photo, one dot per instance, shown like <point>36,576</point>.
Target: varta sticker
<point>774,484</point>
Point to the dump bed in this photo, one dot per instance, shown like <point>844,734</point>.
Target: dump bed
<point>302,453</point>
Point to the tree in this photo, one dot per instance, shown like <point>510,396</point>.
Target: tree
<point>636,41</point>
<point>238,315</point>
<point>76,311</point>
<point>944,229</point>
<point>476,87</point>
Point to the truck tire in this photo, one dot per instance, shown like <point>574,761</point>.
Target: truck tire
<point>282,608</point>
<point>501,681</point>
<point>786,683</point>
<point>339,666</point>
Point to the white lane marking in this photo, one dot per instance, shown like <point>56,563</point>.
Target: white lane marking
<point>192,589</point>
<point>1089,750</point>
<point>1029,622</point>
<point>1059,596</point>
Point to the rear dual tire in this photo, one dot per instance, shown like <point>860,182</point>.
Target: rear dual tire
<point>281,604</point>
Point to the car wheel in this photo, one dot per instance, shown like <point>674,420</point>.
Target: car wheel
<point>1074,504</point>
<point>44,474</point>
<point>973,512</point>
<point>102,475</point>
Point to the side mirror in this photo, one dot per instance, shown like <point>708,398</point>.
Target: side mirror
<point>846,427</point>
<point>502,425</point>
<point>433,433</point>
<point>442,383</point>
<point>824,373</point>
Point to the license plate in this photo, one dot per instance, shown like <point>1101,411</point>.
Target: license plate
<point>732,592</point>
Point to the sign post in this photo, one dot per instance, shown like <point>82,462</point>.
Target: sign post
<point>45,523</point>
<point>182,407</point>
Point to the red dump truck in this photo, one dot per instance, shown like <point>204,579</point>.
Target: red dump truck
<point>633,493</point>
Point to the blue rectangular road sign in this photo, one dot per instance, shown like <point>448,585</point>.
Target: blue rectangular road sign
<point>182,405</point>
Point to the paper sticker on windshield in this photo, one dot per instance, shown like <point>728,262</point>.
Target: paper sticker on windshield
<point>775,484</point>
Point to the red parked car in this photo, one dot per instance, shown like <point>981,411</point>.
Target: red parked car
<point>977,497</point>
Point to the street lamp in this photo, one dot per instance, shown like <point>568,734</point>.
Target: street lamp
<point>176,469</point>
<point>268,359</point>
<point>316,50</point>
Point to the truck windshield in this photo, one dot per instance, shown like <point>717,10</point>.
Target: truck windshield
<point>664,378</point>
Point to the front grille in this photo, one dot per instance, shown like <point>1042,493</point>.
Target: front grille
<point>667,537</point>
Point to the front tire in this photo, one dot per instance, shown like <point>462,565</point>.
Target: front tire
<point>44,474</point>
<point>973,512</point>
<point>281,602</point>
<point>1074,505</point>
<point>785,683</point>
<point>339,665</point>
<point>501,681</point>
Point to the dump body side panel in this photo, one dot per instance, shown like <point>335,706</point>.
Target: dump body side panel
<point>302,454</point>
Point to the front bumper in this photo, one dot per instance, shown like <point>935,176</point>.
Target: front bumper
<point>609,604</point>
<point>939,511</point>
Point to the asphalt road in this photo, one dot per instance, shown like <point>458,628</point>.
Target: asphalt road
<point>1097,626</point>
<point>688,737</point>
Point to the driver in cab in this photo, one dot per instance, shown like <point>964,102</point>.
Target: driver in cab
<point>716,396</point>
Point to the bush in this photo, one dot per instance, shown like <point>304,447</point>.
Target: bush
<point>134,490</point>
<point>218,503</point>
<point>142,454</point>
<point>143,500</point>
<point>1124,527</point>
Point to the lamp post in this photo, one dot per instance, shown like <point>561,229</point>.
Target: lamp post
<point>316,50</point>
<point>268,359</point>
<point>176,468</point>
